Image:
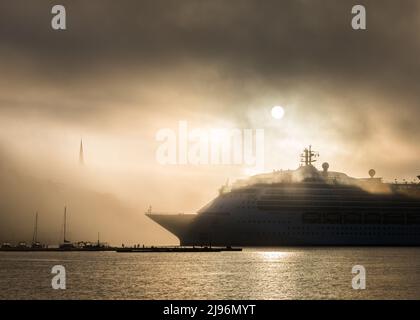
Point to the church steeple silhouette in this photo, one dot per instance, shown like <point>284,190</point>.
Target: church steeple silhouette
<point>81,157</point>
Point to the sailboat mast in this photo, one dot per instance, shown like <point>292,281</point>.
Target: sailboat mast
<point>65,222</point>
<point>35,235</point>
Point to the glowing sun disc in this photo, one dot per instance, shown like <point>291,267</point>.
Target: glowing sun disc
<point>277,112</point>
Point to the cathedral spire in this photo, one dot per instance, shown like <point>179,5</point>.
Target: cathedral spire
<point>81,157</point>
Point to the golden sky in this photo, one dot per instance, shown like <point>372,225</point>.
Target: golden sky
<point>124,70</point>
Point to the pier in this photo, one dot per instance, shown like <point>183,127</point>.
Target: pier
<point>177,249</point>
<point>134,249</point>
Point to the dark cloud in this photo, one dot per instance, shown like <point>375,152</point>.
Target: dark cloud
<point>236,51</point>
<point>280,41</point>
<point>283,38</point>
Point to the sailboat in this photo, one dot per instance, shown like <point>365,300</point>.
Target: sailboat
<point>35,243</point>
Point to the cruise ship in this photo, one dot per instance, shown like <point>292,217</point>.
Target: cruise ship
<point>303,207</point>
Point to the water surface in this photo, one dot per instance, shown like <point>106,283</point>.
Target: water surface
<point>269,273</point>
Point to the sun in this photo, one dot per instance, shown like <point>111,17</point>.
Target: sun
<point>277,112</point>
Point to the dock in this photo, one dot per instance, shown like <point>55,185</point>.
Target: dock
<point>176,249</point>
<point>119,249</point>
<point>54,249</point>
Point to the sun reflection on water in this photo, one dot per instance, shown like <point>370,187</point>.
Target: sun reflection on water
<point>274,255</point>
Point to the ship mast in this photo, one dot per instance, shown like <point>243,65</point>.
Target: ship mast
<point>308,156</point>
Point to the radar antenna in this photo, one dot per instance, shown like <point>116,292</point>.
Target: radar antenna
<point>308,156</point>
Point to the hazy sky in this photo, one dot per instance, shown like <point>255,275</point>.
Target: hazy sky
<point>125,69</point>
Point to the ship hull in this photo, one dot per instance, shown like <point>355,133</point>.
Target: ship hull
<point>285,231</point>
